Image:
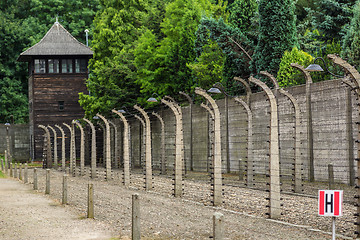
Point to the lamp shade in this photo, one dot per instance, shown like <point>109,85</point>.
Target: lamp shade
<point>152,99</point>
<point>214,90</point>
<point>314,68</point>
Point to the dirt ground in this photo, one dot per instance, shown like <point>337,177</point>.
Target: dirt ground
<point>26,214</point>
<point>29,214</point>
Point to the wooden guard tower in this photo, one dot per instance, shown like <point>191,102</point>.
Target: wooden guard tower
<point>58,68</point>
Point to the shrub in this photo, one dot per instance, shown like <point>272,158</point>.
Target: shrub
<point>287,75</point>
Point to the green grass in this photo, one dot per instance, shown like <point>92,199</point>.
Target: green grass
<point>35,164</point>
<point>2,175</point>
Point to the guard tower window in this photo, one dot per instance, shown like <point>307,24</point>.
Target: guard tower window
<point>67,65</point>
<point>53,65</point>
<point>61,105</point>
<point>40,66</point>
<point>80,65</point>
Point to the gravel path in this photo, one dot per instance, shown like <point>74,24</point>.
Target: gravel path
<point>28,215</point>
<point>189,217</point>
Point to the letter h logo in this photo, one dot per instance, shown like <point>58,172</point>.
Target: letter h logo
<point>330,203</point>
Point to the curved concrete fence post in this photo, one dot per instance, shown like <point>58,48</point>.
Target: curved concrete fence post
<point>63,157</point>
<point>272,79</point>
<point>48,146</point>
<point>126,147</point>
<point>148,154</point>
<point>309,128</point>
<point>349,128</point>
<point>191,154</point>
<point>355,78</point>
<point>116,145</point>
<point>179,147</point>
<point>297,158</point>
<point>143,144</point>
<point>72,149</point>
<point>275,91</point>
<point>211,135</point>
<point>108,149</point>
<point>217,164</point>
<point>247,88</point>
<point>181,131</point>
<point>250,156</point>
<point>93,148</point>
<point>82,148</point>
<point>275,209</point>
<point>55,147</point>
<point>102,161</point>
<point>163,157</point>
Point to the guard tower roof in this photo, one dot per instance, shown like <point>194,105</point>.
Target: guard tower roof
<point>56,42</point>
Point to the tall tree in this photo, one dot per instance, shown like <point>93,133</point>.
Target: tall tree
<point>162,59</point>
<point>351,43</point>
<point>238,49</point>
<point>209,66</point>
<point>13,87</point>
<point>277,33</point>
<point>330,16</point>
<point>242,14</point>
<point>112,82</point>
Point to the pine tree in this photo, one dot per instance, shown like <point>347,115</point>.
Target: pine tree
<point>330,16</point>
<point>351,44</point>
<point>277,34</point>
<point>242,13</point>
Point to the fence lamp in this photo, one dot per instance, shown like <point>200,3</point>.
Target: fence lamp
<point>317,68</point>
<point>152,98</point>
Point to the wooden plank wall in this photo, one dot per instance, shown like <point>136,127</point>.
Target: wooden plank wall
<point>47,91</point>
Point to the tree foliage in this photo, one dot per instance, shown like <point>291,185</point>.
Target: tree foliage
<point>13,99</point>
<point>277,34</point>
<point>287,75</point>
<point>330,17</point>
<point>235,45</point>
<point>208,67</point>
<point>243,14</point>
<point>112,80</point>
<point>351,43</point>
<point>163,59</point>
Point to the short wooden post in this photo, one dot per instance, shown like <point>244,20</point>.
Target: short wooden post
<point>90,212</point>
<point>218,226</point>
<point>6,162</point>
<point>2,164</point>
<point>331,176</point>
<point>64,194</point>
<point>20,171</point>
<point>11,170</point>
<point>26,179</point>
<point>135,229</point>
<point>35,179</point>
<point>47,189</point>
<point>15,170</point>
